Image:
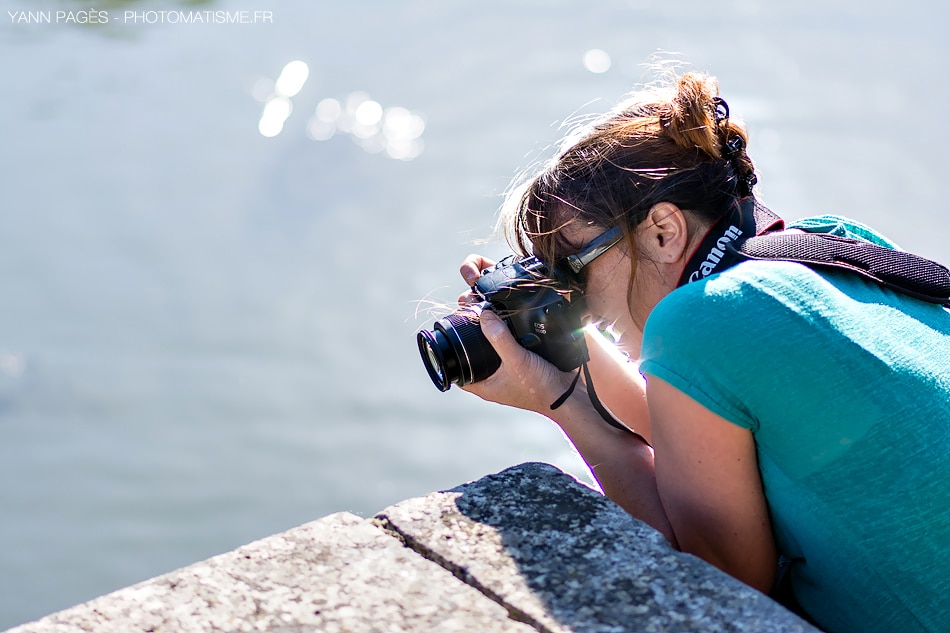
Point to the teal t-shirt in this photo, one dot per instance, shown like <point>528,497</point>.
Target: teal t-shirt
<point>845,386</point>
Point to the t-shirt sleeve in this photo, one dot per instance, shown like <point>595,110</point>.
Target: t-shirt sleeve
<point>686,345</point>
<point>741,341</point>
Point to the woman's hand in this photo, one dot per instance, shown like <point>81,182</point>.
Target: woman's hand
<point>524,379</point>
<point>471,269</point>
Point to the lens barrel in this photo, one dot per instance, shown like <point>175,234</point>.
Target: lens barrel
<point>455,350</point>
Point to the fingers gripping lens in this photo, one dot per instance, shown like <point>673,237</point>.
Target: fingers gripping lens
<point>541,309</point>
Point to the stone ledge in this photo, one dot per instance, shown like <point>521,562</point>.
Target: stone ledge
<point>527,549</point>
<point>337,574</point>
<point>565,558</point>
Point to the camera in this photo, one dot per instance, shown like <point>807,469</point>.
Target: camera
<point>540,308</point>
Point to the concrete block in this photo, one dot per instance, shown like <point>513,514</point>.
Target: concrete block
<point>564,558</point>
<point>338,574</point>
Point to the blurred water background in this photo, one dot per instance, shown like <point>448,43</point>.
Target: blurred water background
<point>210,276</point>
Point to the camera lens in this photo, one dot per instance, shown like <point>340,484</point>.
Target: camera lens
<point>455,350</point>
<point>433,346</point>
<point>434,361</point>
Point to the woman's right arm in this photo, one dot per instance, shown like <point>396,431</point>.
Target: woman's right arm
<point>621,462</point>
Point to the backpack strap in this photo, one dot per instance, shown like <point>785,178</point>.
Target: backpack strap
<point>903,272</point>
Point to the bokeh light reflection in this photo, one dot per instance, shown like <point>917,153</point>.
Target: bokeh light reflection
<point>292,78</point>
<point>276,111</point>
<point>597,61</point>
<point>394,130</point>
<point>329,110</point>
<point>401,124</point>
<point>401,149</point>
<point>277,95</point>
<point>369,113</point>
<point>366,120</point>
<point>323,124</point>
<point>263,89</point>
<point>319,130</point>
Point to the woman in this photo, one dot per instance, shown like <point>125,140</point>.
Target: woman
<point>785,410</point>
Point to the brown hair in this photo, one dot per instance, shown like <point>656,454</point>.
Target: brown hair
<point>674,144</point>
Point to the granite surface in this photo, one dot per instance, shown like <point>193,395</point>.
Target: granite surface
<point>565,558</point>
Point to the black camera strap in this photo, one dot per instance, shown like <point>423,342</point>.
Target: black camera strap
<point>903,272</point>
<point>594,400</point>
<point>747,218</point>
<point>751,231</point>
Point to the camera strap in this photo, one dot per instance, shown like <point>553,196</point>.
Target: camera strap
<point>595,400</point>
<point>747,218</point>
<point>903,272</point>
<point>751,231</point>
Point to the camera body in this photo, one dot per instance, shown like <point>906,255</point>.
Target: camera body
<point>543,313</point>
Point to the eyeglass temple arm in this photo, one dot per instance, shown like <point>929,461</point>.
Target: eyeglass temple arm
<point>595,249</point>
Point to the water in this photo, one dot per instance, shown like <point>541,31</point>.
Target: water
<point>207,334</point>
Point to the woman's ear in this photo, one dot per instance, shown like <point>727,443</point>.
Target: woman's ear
<point>664,234</point>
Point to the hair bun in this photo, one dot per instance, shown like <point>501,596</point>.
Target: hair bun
<point>699,118</point>
<point>691,118</point>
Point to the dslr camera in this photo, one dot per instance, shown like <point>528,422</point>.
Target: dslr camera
<point>543,313</point>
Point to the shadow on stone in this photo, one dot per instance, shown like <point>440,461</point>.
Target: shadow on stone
<point>562,557</point>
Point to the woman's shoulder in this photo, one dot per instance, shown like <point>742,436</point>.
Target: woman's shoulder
<point>749,302</point>
<point>746,286</point>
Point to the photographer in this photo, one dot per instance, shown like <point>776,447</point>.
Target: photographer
<point>787,409</point>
